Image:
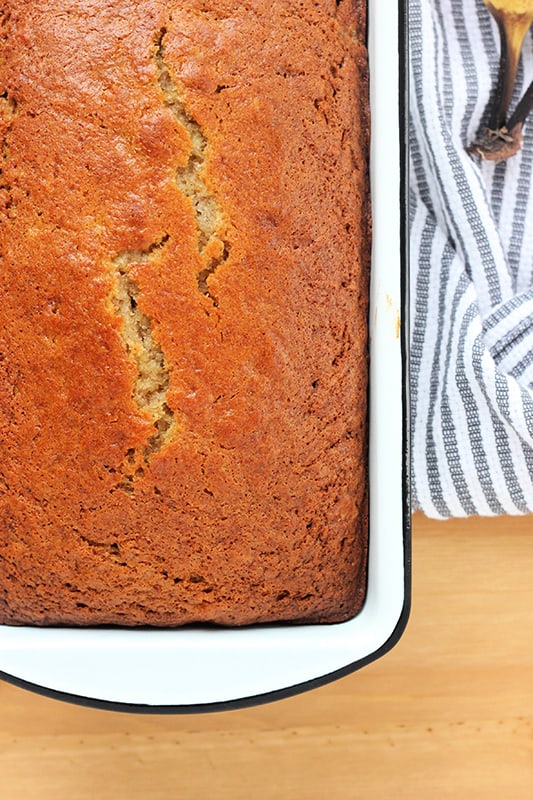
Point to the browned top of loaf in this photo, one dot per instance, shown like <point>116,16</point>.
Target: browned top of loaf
<point>183,307</point>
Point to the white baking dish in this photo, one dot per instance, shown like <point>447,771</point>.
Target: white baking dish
<point>202,669</point>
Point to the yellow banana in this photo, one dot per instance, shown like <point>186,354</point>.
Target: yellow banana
<point>511,6</point>
<point>514,18</point>
<point>503,138</point>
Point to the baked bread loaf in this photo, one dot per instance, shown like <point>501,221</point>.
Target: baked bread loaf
<point>183,349</point>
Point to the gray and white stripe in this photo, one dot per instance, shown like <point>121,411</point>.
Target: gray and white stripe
<point>471,274</point>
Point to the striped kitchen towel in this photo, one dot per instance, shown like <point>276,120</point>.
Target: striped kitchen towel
<point>471,273</point>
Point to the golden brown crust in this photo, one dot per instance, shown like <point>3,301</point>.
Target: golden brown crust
<point>183,299</point>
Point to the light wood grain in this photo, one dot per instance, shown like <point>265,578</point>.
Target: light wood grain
<point>447,714</point>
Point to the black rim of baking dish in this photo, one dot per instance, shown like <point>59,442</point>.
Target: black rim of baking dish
<point>290,691</point>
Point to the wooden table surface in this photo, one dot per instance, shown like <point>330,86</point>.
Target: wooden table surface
<point>447,714</point>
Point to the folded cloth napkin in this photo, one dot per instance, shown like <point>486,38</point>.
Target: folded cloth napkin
<point>471,273</point>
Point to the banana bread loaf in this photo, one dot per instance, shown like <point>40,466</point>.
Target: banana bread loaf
<point>183,351</point>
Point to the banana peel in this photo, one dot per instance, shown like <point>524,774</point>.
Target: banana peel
<point>502,137</point>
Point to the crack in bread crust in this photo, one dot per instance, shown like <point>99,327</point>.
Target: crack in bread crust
<point>153,375</point>
<point>152,379</point>
<point>190,179</point>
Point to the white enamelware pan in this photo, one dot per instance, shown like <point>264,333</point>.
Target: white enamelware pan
<point>195,669</point>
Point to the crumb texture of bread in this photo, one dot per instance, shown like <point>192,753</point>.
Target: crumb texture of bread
<point>184,257</point>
